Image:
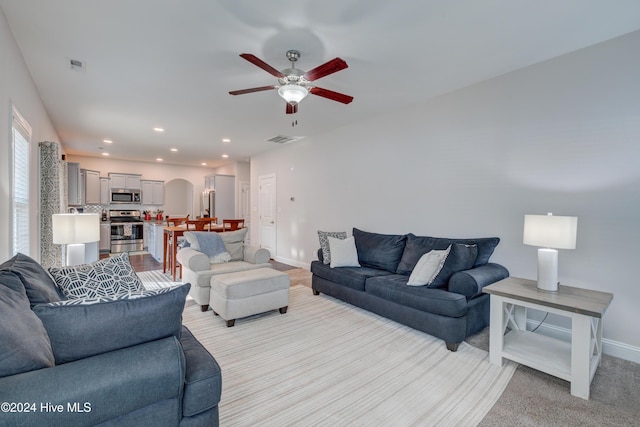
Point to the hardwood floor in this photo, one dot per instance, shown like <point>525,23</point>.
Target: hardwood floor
<point>141,262</point>
<point>146,262</point>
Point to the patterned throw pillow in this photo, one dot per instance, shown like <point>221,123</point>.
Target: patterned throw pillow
<point>104,278</point>
<point>323,237</point>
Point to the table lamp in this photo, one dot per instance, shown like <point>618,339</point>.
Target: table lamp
<point>74,230</point>
<point>550,233</point>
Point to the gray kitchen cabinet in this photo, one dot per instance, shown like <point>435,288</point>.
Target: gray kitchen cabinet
<point>105,199</point>
<point>74,185</point>
<point>91,181</point>
<point>128,181</point>
<point>152,192</point>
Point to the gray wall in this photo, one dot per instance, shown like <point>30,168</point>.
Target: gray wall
<point>17,88</point>
<point>562,136</point>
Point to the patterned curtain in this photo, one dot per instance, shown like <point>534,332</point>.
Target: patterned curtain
<point>53,185</point>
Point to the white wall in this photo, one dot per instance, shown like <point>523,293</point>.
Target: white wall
<point>561,136</point>
<point>17,88</point>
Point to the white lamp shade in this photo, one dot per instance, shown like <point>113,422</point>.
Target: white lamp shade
<point>75,228</point>
<point>550,231</point>
<point>293,94</point>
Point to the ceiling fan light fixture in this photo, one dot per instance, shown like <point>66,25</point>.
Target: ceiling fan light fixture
<point>293,94</point>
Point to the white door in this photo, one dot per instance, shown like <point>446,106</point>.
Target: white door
<point>244,209</point>
<point>267,212</point>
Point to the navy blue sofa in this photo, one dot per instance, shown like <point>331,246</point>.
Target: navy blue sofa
<point>452,310</point>
<point>126,362</point>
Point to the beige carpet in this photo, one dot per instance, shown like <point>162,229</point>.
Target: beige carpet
<point>328,363</point>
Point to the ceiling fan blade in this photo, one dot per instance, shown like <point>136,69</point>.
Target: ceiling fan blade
<point>260,63</point>
<point>253,89</point>
<point>292,109</point>
<point>329,94</point>
<point>325,69</point>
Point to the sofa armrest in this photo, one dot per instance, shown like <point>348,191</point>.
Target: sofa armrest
<point>193,260</point>
<point>98,388</point>
<point>470,282</point>
<point>256,255</point>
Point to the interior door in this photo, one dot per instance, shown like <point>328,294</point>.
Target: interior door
<point>267,212</point>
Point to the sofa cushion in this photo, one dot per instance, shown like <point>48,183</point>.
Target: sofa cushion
<point>210,244</point>
<point>323,237</point>
<point>428,267</point>
<point>381,251</point>
<point>460,258</point>
<point>234,243</point>
<point>105,277</point>
<point>86,329</point>
<point>438,301</point>
<point>24,343</point>
<point>39,285</point>
<point>343,252</point>
<point>351,277</point>
<point>419,245</point>
<point>203,378</point>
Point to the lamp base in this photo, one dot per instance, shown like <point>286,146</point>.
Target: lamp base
<point>75,254</point>
<point>548,270</point>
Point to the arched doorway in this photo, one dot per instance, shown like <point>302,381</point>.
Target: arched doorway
<point>178,198</point>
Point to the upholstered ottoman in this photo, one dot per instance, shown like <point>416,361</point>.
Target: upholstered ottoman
<point>245,293</point>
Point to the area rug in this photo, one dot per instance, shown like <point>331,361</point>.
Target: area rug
<point>326,362</point>
<point>156,279</point>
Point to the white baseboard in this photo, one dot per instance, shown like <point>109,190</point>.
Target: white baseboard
<point>295,263</point>
<point>610,347</point>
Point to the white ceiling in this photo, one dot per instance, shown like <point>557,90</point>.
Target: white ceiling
<point>171,63</point>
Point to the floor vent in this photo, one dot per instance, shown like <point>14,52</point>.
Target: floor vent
<point>283,139</point>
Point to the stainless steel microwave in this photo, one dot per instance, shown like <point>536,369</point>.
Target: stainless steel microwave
<point>125,196</point>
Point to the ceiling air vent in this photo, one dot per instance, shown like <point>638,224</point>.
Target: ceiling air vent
<point>283,139</point>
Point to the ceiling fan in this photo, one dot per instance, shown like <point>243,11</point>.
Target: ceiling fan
<point>294,84</point>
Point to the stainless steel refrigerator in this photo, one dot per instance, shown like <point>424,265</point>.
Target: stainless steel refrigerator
<point>220,200</point>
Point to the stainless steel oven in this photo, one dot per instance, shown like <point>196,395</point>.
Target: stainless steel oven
<point>126,231</point>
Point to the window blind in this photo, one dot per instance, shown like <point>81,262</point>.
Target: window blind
<point>21,133</point>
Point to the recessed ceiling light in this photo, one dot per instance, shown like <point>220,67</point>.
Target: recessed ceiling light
<point>158,130</point>
<point>159,159</point>
<point>203,164</point>
<point>105,154</point>
<point>226,140</point>
<point>174,149</point>
<point>225,156</point>
<point>107,141</point>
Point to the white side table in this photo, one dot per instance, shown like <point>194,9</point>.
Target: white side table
<point>575,362</point>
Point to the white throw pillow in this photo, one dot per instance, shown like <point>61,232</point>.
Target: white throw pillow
<point>343,252</point>
<point>428,267</point>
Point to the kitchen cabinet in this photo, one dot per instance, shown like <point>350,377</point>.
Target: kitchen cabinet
<point>155,241</point>
<point>152,192</point>
<point>91,183</point>
<point>105,237</point>
<point>145,236</point>
<point>104,191</point>
<point>121,180</point>
<point>74,185</point>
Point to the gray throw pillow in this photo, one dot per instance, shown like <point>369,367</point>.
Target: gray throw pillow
<point>37,282</point>
<point>106,277</point>
<point>83,328</point>
<point>461,257</point>
<point>24,343</point>
<point>234,243</point>
<point>323,237</point>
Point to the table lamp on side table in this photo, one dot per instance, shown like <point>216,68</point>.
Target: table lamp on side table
<point>550,233</point>
<point>74,230</point>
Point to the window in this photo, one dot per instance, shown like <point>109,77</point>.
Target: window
<point>21,136</point>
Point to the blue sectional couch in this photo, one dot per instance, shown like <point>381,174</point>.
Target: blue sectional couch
<point>118,361</point>
<point>451,308</point>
